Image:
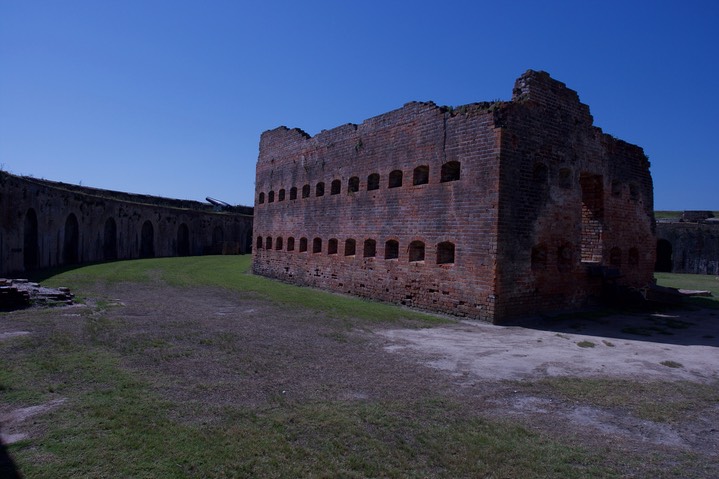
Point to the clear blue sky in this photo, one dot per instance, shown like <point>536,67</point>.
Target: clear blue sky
<point>169,97</point>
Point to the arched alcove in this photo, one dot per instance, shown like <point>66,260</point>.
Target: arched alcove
<point>71,243</point>
<point>109,241</point>
<point>147,240</point>
<point>183,240</point>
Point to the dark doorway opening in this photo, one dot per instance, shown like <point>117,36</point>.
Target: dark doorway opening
<point>109,240</point>
<point>183,240</point>
<point>71,245</point>
<point>664,262</point>
<point>147,240</point>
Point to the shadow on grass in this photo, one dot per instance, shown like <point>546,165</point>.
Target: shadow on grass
<point>39,276</point>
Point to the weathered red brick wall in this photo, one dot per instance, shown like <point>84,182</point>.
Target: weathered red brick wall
<point>460,212</point>
<point>576,205</point>
<point>546,212</point>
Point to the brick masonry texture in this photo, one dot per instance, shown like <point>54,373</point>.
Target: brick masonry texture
<point>505,209</point>
<point>690,245</point>
<point>45,224</point>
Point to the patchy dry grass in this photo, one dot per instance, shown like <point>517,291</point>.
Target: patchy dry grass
<point>173,387</point>
<point>191,367</point>
<point>655,401</point>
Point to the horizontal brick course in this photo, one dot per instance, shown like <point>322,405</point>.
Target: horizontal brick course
<point>508,201</point>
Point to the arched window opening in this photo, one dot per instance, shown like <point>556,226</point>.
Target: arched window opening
<point>30,241</point>
<point>539,257</point>
<point>540,173</point>
<point>633,257</point>
<point>373,182</point>
<point>278,243</point>
<point>565,257</point>
<point>633,191</point>
<point>450,171</point>
<point>271,197</point>
<point>616,188</point>
<point>183,240</point>
<point>147,240</point>
<point>290,244</point>
<point>306,191</point>
<point>259,242</point>
<point>332,246</point>
<point>261,198</point>
<point>293,193</point>
<point>335,187</point>
<point>281,195</point>
<point>370,248</point>
<point>350,247</point>
<point>268,243</point>
<point>565,178</point>
<point>421,175</point>
<point>109,240</point>
<point>71,244</point>
<point>445,253</point>
<point>303,245</point>
<point>416,251</point>
<point>615,257</point>
<point>320,189</point>
<point>391,249</point>
<point>317,245</point>
<point>353,185</point>
<point>395,179</point>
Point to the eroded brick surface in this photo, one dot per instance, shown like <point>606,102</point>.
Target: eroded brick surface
<point>489,210</point>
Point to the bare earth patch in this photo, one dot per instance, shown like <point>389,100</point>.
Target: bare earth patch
<point>206,348</point>
<point>622,347</point>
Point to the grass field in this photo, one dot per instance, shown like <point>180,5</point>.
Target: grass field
<point>118,373</point>
<point>704,282</point>
<point>674,215</point>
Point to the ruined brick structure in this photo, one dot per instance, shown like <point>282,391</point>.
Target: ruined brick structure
<point>45,224</point>
<point>489,210</point>
<point>689,244</point>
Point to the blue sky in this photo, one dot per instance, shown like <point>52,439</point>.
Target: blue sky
<point>169,97</point>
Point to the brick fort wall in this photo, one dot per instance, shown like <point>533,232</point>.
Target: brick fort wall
<point>490,210</point>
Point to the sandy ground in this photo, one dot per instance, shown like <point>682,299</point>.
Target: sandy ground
<point>618,346</point>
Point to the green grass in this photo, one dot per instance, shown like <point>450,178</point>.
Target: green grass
<point>114,423</point>
<point>702,282</point>
<point>659,401</point>
<point>671,364</point>
<point>232,272</point>
<point>667,215</point>
<point>689,281</point>
<point>674,215</point>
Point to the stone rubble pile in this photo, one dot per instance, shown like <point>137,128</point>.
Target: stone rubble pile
<point>21,293</point>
